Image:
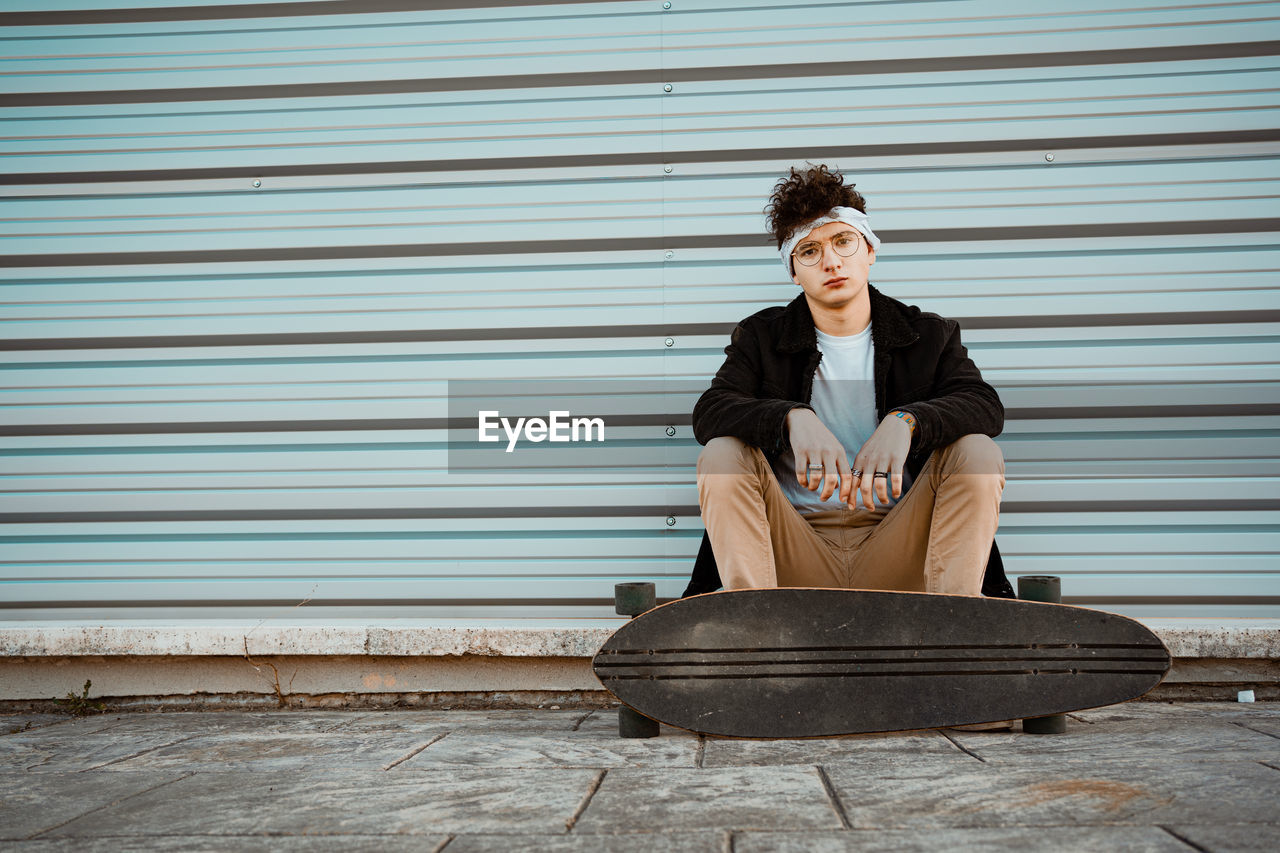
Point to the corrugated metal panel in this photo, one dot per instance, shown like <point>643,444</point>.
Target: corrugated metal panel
<point>248,246</point>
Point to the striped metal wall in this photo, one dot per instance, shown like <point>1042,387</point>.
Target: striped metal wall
<point>247,245</point>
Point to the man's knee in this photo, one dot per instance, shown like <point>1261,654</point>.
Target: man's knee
<point>976,453</point>
<point>724,455</point>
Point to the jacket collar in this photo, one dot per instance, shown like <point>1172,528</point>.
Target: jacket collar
<point>889,326</point>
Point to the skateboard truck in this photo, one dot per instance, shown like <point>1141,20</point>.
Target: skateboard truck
<point>1042,588</point>
<point>632,599</point>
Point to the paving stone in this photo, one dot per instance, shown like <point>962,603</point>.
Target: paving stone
<point>1136,709</point>
<point>358,802</point>
<point>214,722</point>
<point>31,802</point>
<point>703,842</point>
<point>510,780</point>
<point>561,749</point>
<point>86,724</point>
<point>1125,738</point>
<point>14,723</point>
<point>1178,710</point>
<point>1232,709</point>
<point>238,844</point>
<point>518,720</point>
<point>1081,793</point>
<point>280,752</point>
<point>689,800</point>
<point>605,722</point>
<point>1113,839</point>
<point>865,750</point>
<point>93,741</point>
<point>1266,725</point>
<point>1232,838</point>
<point>58,749</point>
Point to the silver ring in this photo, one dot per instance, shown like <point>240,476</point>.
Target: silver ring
<point>819,467</point>
<point>855,472</point>
<point>880,474</point>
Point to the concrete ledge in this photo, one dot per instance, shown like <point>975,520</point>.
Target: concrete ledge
<point>437,638</point>
<point>1185,638</point>
<point>357,665</point>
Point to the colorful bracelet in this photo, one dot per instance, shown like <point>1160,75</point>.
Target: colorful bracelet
<point>908,417</point>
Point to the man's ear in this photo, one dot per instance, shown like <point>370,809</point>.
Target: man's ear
<point>871,255</point>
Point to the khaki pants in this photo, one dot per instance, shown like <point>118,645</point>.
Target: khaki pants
<point>937,538</point>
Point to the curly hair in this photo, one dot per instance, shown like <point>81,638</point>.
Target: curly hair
<point>805,195</point>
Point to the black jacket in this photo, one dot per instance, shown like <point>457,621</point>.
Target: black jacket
<point>921,367</point>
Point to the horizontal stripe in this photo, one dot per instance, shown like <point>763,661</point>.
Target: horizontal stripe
<point>611,666</point>
<point>179,428</point>
<point>643,76</point>
<point>650,654</point>
<point>530,511</point>
<point>1163,581</point>
<point>1138,505</point>
<point>160,14</point>
<point>552,603</point>
<point>847,673</point>
<point>336,425</point>
<point>1210,410</point>
<point>654,158</point>
<point>1154,318</point>
<point>1215,410</point>
<point>390,514</point>
<point>525,604</point>
<point>634,244</point>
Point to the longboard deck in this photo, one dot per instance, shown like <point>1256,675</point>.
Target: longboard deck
<point>801,662</point>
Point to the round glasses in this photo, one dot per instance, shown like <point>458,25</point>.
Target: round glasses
<point>845,244</point>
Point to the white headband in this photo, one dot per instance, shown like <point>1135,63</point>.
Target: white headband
<point>847,215</point>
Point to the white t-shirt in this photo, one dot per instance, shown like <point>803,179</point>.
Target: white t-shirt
<point>844,399</point>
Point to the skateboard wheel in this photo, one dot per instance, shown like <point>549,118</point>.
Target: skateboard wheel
<point>1040,588</point>
<point>1054,724</point>
<point>631,724</point>
<point>632,599</point>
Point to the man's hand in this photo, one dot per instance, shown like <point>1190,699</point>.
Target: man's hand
<point>886,450</point>
<point>814,444</point>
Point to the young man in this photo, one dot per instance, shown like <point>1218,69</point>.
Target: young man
<point>848,435</point>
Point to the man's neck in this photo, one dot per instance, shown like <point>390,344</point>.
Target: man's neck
<point>849,319</point>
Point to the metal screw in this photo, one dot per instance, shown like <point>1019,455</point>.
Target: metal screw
<point>667,169</point>
<point>671,430</point>
<point>1049,157</point>
<point>666,5</point>
<point>671,521</point>
<point>671,342</point>
<point>666,88</point>
<point>257,183</point>
<point>669,255</point>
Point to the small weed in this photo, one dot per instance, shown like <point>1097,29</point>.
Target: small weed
<point>80,706</point>
<point>282,693</point>
<point>282,699</point>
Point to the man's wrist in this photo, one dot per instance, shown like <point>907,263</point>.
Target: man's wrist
<point>909,418</point>
<point>795,411</point>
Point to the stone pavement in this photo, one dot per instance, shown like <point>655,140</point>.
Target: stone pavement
<point>1138,776</point>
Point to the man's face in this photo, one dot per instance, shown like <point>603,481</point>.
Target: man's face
<point>834,281</point>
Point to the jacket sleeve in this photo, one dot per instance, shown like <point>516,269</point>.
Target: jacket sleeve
<point>733,405</point>
<point>962,403</point>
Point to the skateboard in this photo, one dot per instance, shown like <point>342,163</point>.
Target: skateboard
<point>800,662</point>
